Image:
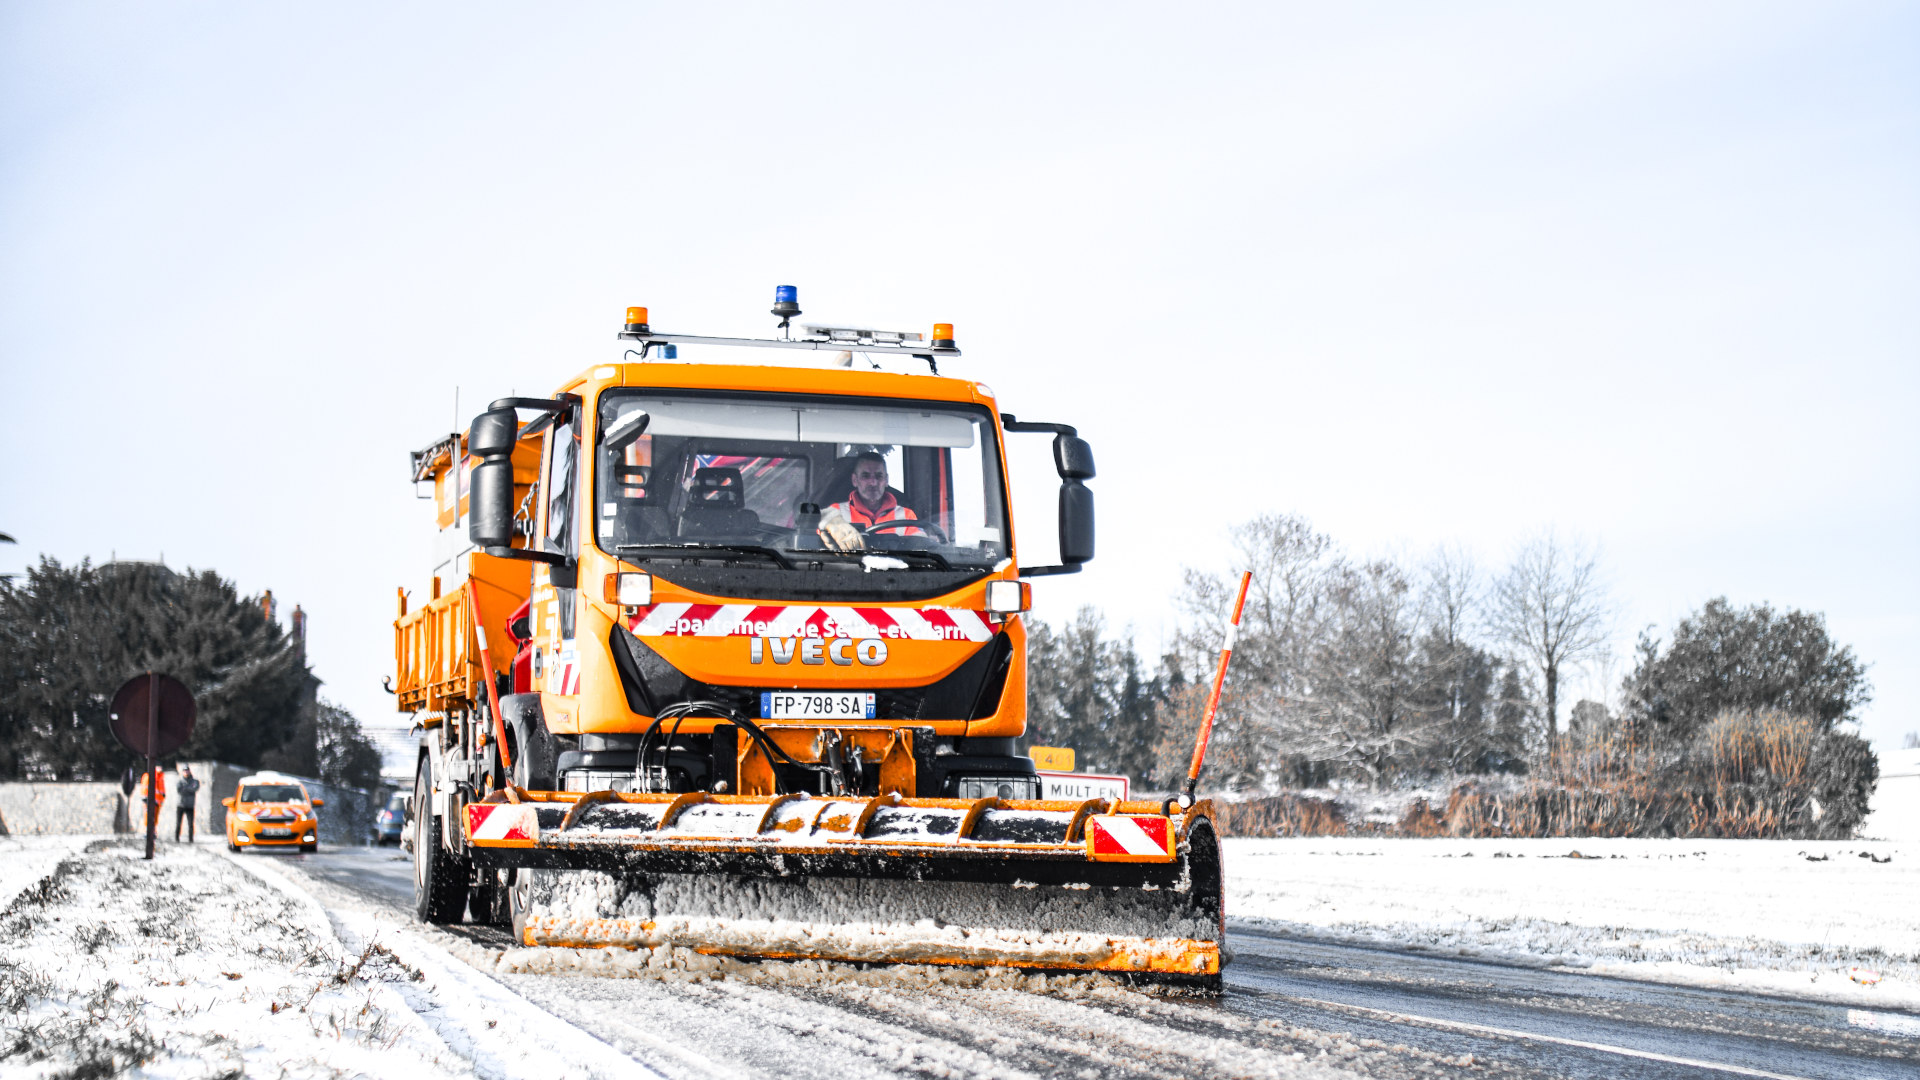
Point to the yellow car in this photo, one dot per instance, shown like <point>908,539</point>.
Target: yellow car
<point>271,810</point>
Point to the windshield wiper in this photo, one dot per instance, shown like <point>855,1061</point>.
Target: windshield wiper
<point>939,560</point>
<point>690,551</point>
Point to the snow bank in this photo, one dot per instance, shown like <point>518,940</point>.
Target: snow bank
<point>187,967</point>
<point>27,860</point>
<point>1824,919</point>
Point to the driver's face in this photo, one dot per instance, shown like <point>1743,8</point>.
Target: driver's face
<point>870,482</point>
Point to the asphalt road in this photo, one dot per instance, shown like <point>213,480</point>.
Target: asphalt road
<point>1375,1012</point>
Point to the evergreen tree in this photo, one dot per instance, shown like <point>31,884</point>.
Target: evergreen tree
<point>1088,692</point>
<point>70,635</point>
<point>1749,659</point>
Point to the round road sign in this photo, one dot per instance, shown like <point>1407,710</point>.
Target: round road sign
<point>130,713</point>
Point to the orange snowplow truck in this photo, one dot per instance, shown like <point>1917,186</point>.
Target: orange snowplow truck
<point>778,671</point>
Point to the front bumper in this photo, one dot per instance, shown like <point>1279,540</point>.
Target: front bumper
<point>275,833</point>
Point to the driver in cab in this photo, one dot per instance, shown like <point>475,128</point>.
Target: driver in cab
<point>868,505</point>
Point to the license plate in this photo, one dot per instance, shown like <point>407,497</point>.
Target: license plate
<point>795,705</point>
<point>275,834</point>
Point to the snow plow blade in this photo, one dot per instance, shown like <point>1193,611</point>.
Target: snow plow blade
<point>1060,886</point>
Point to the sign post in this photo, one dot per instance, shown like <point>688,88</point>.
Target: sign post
<point>168,710</point>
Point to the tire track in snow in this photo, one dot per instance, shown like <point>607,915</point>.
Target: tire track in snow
<point>500,1034</point>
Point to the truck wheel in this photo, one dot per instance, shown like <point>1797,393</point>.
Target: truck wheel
<point>519,902</point>
<point>439,876</point>
<point>487,903</point>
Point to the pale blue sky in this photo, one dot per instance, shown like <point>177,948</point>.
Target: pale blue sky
<point>1643,273</point>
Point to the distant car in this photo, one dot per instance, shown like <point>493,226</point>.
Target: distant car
<point>271,810</point>
<point>391,823</point>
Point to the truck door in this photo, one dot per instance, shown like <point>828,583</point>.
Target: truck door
<point>555,597</point>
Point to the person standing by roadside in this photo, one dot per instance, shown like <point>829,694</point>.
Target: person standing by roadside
<point>183,811</point>
<point>159,796</point>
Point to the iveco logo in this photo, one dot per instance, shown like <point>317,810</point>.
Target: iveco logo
<point>841,650</point>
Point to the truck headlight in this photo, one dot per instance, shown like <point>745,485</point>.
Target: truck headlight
<point>1007,597</point>
<point>998,787</point>
<point>629,589</point>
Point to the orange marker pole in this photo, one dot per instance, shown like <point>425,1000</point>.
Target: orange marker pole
<point>493,688</point>
<point>1213,699</point>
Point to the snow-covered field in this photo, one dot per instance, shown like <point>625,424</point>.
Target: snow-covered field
<point>1831,920</point>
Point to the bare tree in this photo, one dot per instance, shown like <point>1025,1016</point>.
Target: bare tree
<point>1287,608</point>
<point>1551,608</point>
<point>1450,593</point>
<point>1361,710</point>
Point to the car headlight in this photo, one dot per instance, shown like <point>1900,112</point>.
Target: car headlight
<point>242,815</point>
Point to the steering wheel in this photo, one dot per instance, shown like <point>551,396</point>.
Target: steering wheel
<point>903,524</point>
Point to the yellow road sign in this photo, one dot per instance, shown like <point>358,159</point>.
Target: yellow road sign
<point>1053,758</point>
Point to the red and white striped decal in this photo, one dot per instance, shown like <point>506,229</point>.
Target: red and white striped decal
<point>781,621</point>
<point>502,824</point>
<point>1129,838</point>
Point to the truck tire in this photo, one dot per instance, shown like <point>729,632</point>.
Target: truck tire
<point>439,876</point>
<point>519,902</point>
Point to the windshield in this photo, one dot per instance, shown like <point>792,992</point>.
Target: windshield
<point>272,793</point>
<point>891,485</point>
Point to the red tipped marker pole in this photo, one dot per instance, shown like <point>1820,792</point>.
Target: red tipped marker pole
<point>1213,699</point>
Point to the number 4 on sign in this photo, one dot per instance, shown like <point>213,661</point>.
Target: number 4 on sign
<point>1053,758</point>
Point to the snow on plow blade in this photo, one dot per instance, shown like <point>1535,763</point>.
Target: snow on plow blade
<point>1090,885</point>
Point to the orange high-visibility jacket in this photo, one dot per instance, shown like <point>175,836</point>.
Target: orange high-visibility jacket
<point>159,789</point>
<point>890,510</point>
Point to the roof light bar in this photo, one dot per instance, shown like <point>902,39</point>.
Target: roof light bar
<point>858,335</point>
<point>786,304</point>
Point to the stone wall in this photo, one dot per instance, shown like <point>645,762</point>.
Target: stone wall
<point>38,809</point>
<point>27,809</point>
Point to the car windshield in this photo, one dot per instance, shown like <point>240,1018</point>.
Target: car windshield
<point>272,793</point>
<point>397,801</point>
<point>893,486</point>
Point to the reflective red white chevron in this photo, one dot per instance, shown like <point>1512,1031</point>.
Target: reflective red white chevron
<point>502,821</point>
<point>1129,835</point>
<point>778,620</point>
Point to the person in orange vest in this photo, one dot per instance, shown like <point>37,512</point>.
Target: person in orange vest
<point>159,795</point>
<point>870,503</point>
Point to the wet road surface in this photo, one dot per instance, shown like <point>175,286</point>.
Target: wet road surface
<point>1289,1003</point>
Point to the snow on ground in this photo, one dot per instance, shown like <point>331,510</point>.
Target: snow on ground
<point>26,860</point>
<point>1830,920</point>
<point>192,967</point>
<point>199,964</point>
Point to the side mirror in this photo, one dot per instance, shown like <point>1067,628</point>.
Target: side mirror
<point>228,803</point>
<point>1073,460</point>
<point>318,803</point>
<point>1076,520</point>
<point>625,430</point>
<point>490,501</point>
<point>1073,457</point>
